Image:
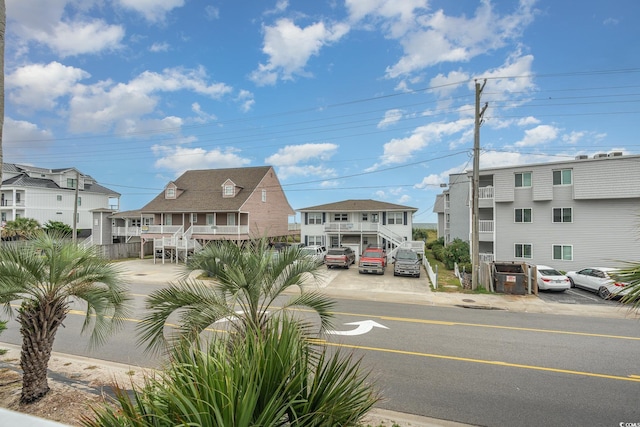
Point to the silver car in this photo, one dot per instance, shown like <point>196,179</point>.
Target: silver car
<point>598,280</point>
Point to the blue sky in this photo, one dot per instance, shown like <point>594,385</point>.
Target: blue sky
<point>347,99</point>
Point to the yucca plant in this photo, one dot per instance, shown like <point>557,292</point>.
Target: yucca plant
<point>274,377</point>
<point>247,281</point>
<point>630,274</point>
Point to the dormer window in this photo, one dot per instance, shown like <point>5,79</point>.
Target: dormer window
<point>170,193</point>
<point>228,190</point>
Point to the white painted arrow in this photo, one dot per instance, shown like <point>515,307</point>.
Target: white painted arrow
<point>363,327</point>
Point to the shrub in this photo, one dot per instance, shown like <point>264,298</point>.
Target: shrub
<point>456,252</point>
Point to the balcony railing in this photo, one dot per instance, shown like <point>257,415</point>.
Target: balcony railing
<point>485,193</point>
<point>220,229</point>
<point>485,226</point>
<point>350,226</point>
<point>486,257</point>
<point>11,203</point>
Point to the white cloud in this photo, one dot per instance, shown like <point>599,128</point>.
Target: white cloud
<point>397,17</point>
<point>100,106</point>
<point>290,47</point>
<point>152,10</point>
<point>180,159</point>
<point>435,180</point>
<point>212,13</point>
<point>574,137</point>
<point>440,38</point>
<point>405,198</point>
<point>400,150</point>
<point>22,139</point>
<point>443,85</point>
<point>159,47</point>
<point>537,136</point>
<point>38,86</point>
<point>75,38</point>
<point>246,100</point>
<point>496,159</point>
<point>390,117</point>
<point>526,121</point>
<point>285,172</point>
<point>294,154</point>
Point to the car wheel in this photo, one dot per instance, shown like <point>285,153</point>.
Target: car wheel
<point>573,285</point>
<point>604,293</point>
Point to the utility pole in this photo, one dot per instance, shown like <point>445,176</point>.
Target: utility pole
<point>75,210</point>
<point>475,221</point>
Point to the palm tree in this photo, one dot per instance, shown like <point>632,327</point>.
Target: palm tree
<point>3,26</point>
<point>630,274</point>
<point>45,275</point>
<point>247,281</point>
<point>21,228</point>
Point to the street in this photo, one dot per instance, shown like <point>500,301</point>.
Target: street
<point>482,367</point>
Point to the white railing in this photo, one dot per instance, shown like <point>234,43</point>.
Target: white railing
<point>485,193</point>
<point>294,226</point>
<point>486,257</point>
<point>350,226</point>
<point>220,229</point>
<point>433,275</point>
<point>485,226</point>
<point>126,231</point>
<point>160,229</point>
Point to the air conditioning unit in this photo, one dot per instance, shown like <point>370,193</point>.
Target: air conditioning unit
<point>615,154</point>
<point>600,155</point>
<point>582,157</point>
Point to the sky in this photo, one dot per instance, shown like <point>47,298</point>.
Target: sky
<point>346,99</point>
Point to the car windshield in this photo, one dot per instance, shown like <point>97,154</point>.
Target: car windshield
<point>407,255</point>
<point>335,252</point>
<point>550,272</point>
<point>308,251</point>
<point>371,254</point>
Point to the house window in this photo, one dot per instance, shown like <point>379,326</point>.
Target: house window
<point>168,220</point>
<point>314,218</point>
<point>563,252</point>
<point>228,190</point>
<point>210,219</point>
<point>79,201</point>
<point>374,217</point>
<point>264,196</point>
<point>231,219</point>
<point>523,179</point>
<point>71,182</point>
<point>562,177</point>
<point>562,215</point>
<point>171,193</point>
<point>340,217</point>
<point>394,218</point>
<point>194,218</point>
<point>59,198</point>
<point>523,215</point>
<point>523,250</point>
<point>365,216</point>
<point>314,240</point>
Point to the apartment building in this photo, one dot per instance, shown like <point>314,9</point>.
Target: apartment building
<point>569,214</point>
<point>50,195</point>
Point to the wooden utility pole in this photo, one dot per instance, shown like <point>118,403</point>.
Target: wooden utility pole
<point>475,221</point>
<point>75,210</point>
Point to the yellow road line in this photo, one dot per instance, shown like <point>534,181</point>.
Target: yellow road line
<point>633,378</point>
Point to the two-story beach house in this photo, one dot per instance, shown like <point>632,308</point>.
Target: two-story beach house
<point>50,195</point>
<point>569,214</point>
<point>358,223</point>
<point>204,205</point>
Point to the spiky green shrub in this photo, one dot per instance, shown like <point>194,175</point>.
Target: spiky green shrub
<point>273,377</point>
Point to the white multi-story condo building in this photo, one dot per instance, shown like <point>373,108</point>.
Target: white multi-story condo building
<point>569,214</point>
<point>50,194</point>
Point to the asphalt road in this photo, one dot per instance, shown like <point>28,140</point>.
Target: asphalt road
<point>481,367</point>
<point>574,296</point>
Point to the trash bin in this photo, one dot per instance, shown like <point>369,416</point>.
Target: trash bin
<point>510,278</point>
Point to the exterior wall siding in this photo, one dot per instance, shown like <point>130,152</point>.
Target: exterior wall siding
<point>269,218</point>
<point>593,180</point>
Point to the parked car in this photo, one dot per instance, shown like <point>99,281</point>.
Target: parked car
<point>550,279</point>
<point>598,280</point>
<point>315,252</point>
<point>406,262</point>
<point>340,257</point>
<point>372,260</point>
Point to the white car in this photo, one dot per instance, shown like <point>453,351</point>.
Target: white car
<point>598,280</point>
<point>315,252</point>
<point>550,279</point>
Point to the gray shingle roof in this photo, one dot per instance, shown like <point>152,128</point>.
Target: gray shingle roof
<point>358,206</point>
<point>202,190</point>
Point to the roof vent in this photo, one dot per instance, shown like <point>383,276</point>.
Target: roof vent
<point>600,155</point>
<point>582,157</point>
<point>615,154</point>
